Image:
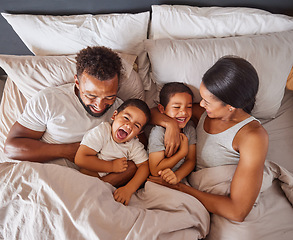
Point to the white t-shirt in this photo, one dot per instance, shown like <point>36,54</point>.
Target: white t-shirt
<point>100,139</point>
<point>58,113</point>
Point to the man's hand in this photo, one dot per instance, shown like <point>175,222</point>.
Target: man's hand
<point>122,195</point>
<point>172,138</point>
<point>169,176</point>
<point>119,165</point>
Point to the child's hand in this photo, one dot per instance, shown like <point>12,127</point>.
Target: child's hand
<point>183,144</point>
<point>119,165</point>
<point>169,176</point>
<point>122,195</point>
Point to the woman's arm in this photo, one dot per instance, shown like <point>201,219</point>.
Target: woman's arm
<point>246,182</point>
<point>87,158</point>
<point>172,138</point>
<point>197,111</point>
<point>24,144</point>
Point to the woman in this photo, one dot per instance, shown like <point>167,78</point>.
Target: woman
<point>228,134</point>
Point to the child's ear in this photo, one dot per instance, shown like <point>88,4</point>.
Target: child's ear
<point>114,115</point>
<point>161,108</point>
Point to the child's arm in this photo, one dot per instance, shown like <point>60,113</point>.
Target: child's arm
<point>159,162</point>
<point>172,134</point>
<point>87,158</point>
<point>187,167</point>
<point>123,194</point>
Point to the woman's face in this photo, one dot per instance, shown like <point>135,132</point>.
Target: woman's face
<point>214,107</point>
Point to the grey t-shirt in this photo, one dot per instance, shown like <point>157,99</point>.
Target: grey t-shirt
<point>156,140</point>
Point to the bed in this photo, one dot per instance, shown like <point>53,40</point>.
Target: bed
<point>53,201</point>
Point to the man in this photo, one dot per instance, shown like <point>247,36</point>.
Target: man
<point>55,120</point>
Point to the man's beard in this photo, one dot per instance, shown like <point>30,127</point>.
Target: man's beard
<point>87,108</point>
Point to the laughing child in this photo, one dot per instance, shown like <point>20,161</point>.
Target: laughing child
<point>106,148</point>
<point>176,102</point>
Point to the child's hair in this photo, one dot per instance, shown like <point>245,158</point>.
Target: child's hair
<point>170,89</point>
<point>135,102</point>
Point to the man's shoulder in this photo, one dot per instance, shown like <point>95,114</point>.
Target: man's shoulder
<point>55,90</point>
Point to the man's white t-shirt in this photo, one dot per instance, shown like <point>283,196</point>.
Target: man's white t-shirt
<point>58,113</point>
<point>100,139</point>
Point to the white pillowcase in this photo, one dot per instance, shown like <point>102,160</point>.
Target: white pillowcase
<point>34,73</point>
<point>184,22</point>
<point>64,35</point>
<point>187,60</point>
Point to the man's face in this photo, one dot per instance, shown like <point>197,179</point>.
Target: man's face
<point>96,96</point>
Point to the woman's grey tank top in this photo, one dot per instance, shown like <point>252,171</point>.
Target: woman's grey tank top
<point>216,149</point>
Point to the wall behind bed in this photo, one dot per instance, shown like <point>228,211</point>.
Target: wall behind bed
<point>10,43</point>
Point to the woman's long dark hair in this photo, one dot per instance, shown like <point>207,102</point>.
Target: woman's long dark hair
<point>234,81</point>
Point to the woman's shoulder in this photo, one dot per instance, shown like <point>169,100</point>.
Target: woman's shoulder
<point>252,132</point>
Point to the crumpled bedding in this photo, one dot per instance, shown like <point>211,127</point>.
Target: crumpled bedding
<point>41,201</point>
<point>272,215</point>
<point>48,201</point>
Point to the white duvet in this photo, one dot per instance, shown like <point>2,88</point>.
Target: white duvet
<point>48,201</point>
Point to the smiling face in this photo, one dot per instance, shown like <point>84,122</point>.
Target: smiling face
<point>214,107</point>
<point>127,124</point>
<point>96,96</point>
<point>179,108</point>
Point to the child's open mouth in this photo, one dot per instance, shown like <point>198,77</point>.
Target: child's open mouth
<point>122,134</point>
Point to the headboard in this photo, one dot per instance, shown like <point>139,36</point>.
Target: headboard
<point>10,43</point>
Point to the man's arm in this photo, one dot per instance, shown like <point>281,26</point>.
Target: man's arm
<point>172,137</point>
<point>24,144</point>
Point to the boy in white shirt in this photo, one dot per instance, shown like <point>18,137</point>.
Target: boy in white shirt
<point>108,147</point>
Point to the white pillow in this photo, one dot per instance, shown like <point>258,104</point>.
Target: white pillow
<point>184,22</point>
<point>65,35</point>
<point>187,60</point>
<point>33,73</point>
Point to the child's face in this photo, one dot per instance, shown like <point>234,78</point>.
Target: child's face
<point>127,124</point>
<point>179,108</point>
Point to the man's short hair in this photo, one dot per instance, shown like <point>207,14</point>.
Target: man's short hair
<point>100,62</point>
